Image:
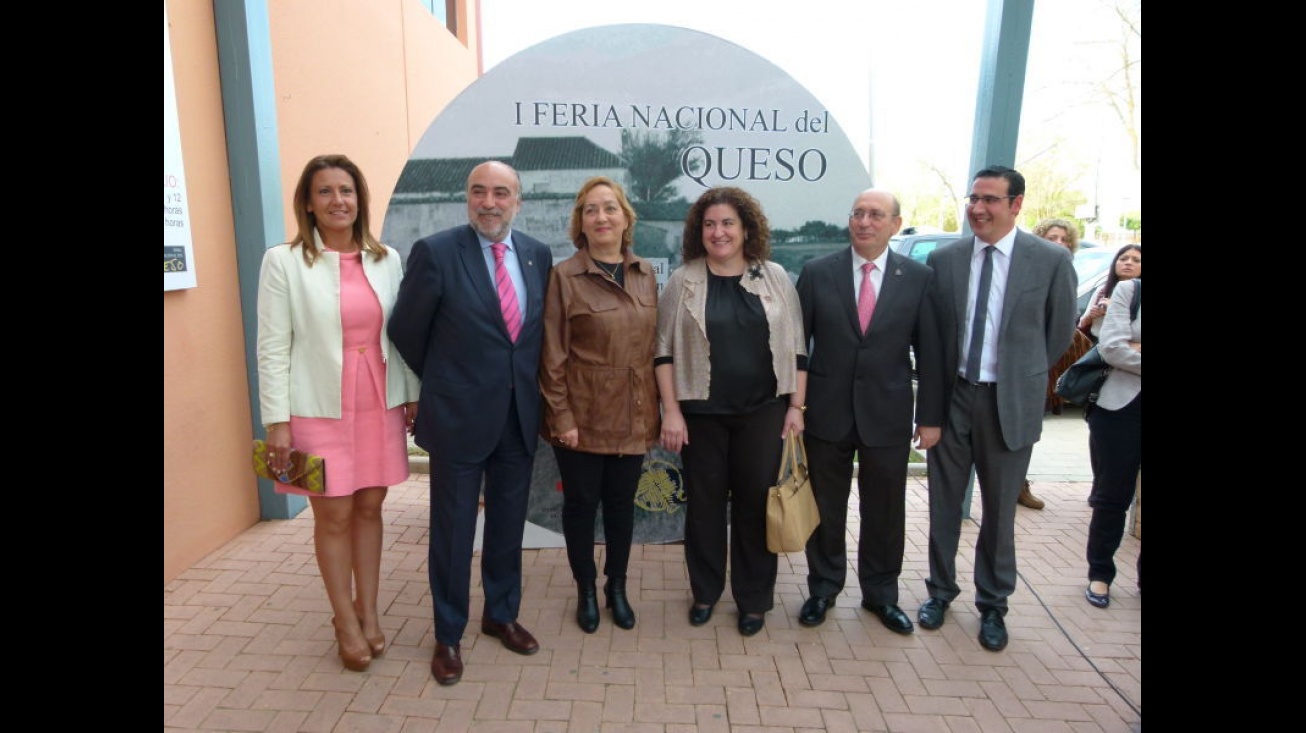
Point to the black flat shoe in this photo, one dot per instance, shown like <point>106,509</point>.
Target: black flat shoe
<point>700,613</point>
<point>813,613</point>
<point>1100,600</point>
<point>751,623</point>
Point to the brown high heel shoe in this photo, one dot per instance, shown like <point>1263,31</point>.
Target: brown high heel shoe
<point>377,643</point>
<point>356,660</point>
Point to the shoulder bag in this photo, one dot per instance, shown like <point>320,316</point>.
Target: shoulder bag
<point>1083,381</point>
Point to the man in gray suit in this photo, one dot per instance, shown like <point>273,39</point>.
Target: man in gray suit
<point>468,321</point>
<point>1006,312</point>
<point>860,403</point>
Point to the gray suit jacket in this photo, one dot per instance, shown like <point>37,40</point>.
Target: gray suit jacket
<point>448,326</point>
<point>1038,318</point>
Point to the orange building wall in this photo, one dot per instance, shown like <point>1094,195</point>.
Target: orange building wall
<point>366,84</point>
<point>360,78</point>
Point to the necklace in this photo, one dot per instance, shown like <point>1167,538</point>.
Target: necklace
<point>609,268</point>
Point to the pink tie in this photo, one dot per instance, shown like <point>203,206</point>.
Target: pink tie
<point>866,298</point>
<point>507,293</point>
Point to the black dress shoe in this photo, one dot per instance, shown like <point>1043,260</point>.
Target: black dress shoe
<point>931,614</point>
<point>514,637</point>
<point>700,613</point>
<point>993,630</point>
<point>813,613</point>
<point>447,664</point>
<point>751,623</point>
<point>1101,600</point>
<point>891,616</point>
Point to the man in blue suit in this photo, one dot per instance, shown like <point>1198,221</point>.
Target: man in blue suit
<point>1007,312</point>
<point>861,404</point>
<point>468,321</point>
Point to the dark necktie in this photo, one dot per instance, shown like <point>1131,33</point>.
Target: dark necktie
<point>981,317</point>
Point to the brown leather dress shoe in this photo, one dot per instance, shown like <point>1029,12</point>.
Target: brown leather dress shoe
<point>513,636</point>
<point>1028,499</point>
<point>447,664</point>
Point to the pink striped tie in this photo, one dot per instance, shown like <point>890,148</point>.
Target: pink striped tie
<point>507,293</point>
<point>866,298</point>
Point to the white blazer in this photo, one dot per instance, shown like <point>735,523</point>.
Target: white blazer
<point>1126,380</point>
<point>301,340</point>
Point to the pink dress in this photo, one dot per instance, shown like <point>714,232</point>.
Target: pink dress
<point>367,446</point>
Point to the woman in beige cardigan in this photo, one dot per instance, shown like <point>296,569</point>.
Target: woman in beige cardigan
<point>730,364</point>
<point>331,383</point>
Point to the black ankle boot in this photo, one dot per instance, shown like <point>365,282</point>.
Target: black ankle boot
<point>622,614</point>
<point>587,606</point>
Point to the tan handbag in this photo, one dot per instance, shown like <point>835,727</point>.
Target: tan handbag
<point>791,513</point>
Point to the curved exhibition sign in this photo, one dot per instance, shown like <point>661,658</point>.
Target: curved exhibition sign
<point>667,111</point>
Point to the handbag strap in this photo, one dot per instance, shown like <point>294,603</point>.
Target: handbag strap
<point>784,459</point>
<point>789,457</point>
<point>1136,302</point>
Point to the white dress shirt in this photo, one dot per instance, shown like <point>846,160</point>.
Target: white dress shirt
<point>997,292</point>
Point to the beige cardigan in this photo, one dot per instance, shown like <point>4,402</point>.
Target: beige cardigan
<point>300,339</point>
<point>682,325</point>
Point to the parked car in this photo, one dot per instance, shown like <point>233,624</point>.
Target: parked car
<point>919,246</point>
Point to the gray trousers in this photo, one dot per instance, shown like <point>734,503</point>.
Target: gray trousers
<point>973,438</point>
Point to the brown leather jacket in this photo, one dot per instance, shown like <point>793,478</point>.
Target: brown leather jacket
<point>596,368</point>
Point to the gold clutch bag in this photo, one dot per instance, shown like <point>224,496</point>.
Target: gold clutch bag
<point>306,470</point>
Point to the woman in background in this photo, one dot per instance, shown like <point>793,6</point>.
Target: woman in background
<point>1128,264</point>
<point>1115,439</point>
<point>731,371</point>
<point>332,384</point>
<point>1064,233</point>
<point>600,397</point>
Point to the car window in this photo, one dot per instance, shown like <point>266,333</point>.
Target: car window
<point>1090,262</point>
<point>923,248</point>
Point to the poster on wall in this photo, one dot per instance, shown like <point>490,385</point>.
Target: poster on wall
<point>178,255</point>
<point>669,112</point>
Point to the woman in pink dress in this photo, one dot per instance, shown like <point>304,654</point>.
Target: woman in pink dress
<point>332,384</point>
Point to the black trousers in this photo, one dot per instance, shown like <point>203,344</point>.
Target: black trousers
<point>882,500</point>
<point>588,481</point>
<point>1115,450</point>
<point>729,464</point>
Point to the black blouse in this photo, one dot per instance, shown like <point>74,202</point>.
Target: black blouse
<point>740,356</point>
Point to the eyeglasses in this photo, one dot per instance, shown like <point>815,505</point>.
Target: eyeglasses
<point>876,215</point>
<point>988,200</point>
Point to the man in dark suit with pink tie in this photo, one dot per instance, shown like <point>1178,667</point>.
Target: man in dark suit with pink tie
<point>865,309</point>
<point>467,320</point>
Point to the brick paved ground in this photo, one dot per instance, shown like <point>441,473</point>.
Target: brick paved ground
<point>248,644</point>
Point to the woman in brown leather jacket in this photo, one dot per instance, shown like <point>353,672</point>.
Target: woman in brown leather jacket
<point>600,398</point>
